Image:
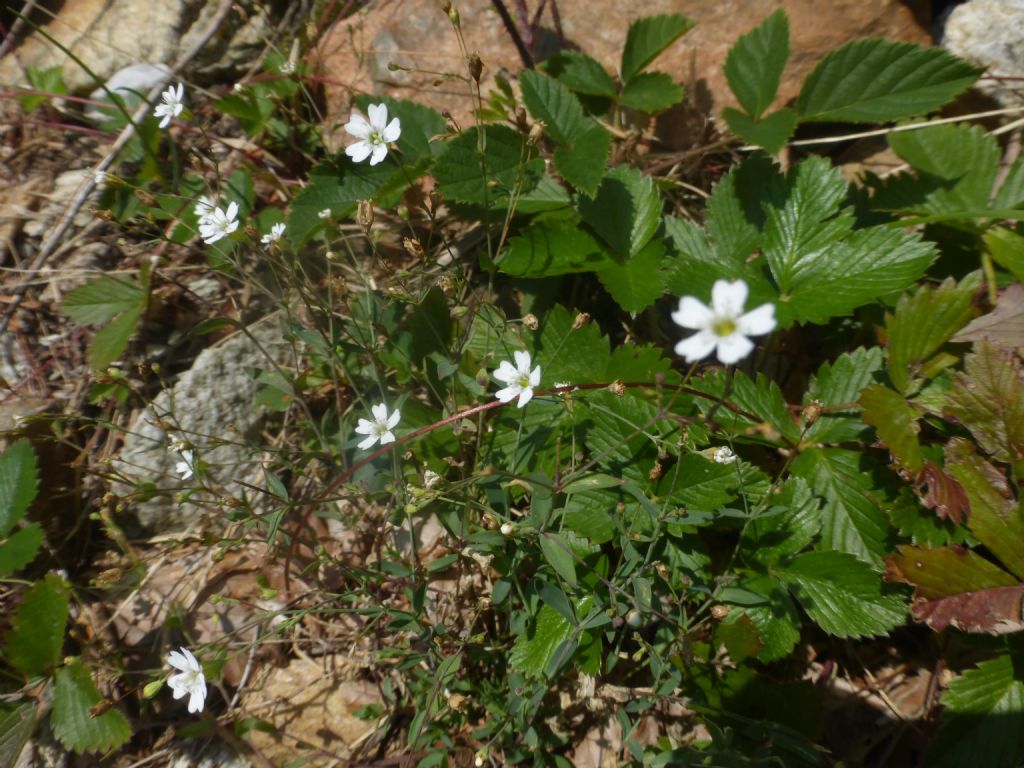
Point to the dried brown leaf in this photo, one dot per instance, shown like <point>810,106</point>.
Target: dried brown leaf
<point>995,611</point>
<point>1004,325</point>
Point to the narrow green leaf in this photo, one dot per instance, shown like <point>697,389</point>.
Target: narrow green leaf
<point>20,549</point>
<point>559,556</point>
<point>923,322</point>
<point>995,516</point>
<point>34,642</point>
<point>988,399</point>
<point>73,696</point>
<point>895,420</point>
<point>582,163</point>
<point>550,247</point>
<point>16,726</point>
<point>99,301</point>
<point>646,40</point>
<point>842,594</point>
<point>873,81</point>
<point>754,65</point>
<point>581,73</point>
<point>19,479</point>
<point>638,283</point>
<point>555,105</point>
<point>770,133</point>
<point>852,520</point>
<point>983,717</point>
<point>651,92</point>
<point>626,211</point>
<point>110,342</point>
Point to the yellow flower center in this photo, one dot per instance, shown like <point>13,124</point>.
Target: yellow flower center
<point>724,326</point>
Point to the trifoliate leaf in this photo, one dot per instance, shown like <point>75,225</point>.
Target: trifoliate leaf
<point>982,718</point>
<point>852,520</point>
<point>581,73</point>
<point>553,104</point>
<point>336,186</point>
<point>895,421</point>
<point>770,132</point>
<point>647,38</point>
<point>756,404</point>
<point>619,434</point>
<point>636,284</point>
<point>875,81</point>
<point>536,649</point>
<point>626,211</point>
<point>500,171</point>
<point>591,514</point>
<point>20,549</point>
<point>110,342</point>
<point>840,383</point>
<point>74,696</point>
<point>553,246</point>
<point>99,301</point>
<point>19,478</point>
<point>582,163</point>
<point>574,355</point>
<point>923,322</point>
<point>651,92</point>
<point>754,65</point>
<point>842,594</point>
<point>34,642</point>
<point>789,524</point>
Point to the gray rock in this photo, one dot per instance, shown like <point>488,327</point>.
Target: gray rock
<point>990,33</point>
<point>193,755</point>
<point>211,408</point>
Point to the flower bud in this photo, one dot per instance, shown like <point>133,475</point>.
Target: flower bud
<point>634,619</point>
<point>719,612</point>
<point>531,321</point>
<point>536,132</point>
<point>364,214</point>
<point>413,247</point>
<point>507,529</point>
<point>580,320</point>
<point>617,387</point>
<point>476,66</point>
<point>813,412</point>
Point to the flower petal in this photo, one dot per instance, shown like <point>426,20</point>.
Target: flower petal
<point>387,437</point>
<point>380,151</point>
<point>195,702</point>
<point>367,442</point>
<point>378,114</point>
<point>697,347</point>
<point>757,321</point>
<point>358,127</point>
<point>393,131</point>
<point>508,393</point>
<point>364,427</point>
<point>733,348</point>
<point>692,313</point>
<point>359,151</point>
<point>522,361</point>
<point>505,372</point>
<point>728,298</point>
<point>525,396</point>
<point>380,412</point>
<point>392,421</point>
<point>535,377</point>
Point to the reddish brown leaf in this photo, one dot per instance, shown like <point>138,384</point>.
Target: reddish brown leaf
<point>995,611</point>
<point>944,494</point>
<point>945,571</point>
<point>1004,325</point>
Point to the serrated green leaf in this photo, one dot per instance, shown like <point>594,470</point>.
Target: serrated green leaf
<point>16,726</point>
<point>535,650</point>
<point>553,104</point>
<point>74,695</point>
<point>591,514</point>
<point>336,186</point>
<point>20,549</point>
<point>960,161</point>
<point>790,523</point>
<point>739,636</point>
<point>852,520</point>
<point>99,301</point>
<point>626,211</point>
<point>982,718</point>
<point>1011,193</point>
<point>777,621</point>
<point>573,355</point>
<point>840,383</point>
<point>700,483</point>
<point>525,440</point>
<point>988,399</point>
<point>842,594</point>
<point>754,65</point>
<point>110,342</point>
<point>19,478</point>
<point>583,162</point>
<point>553,246</point>
<point>651,92</point>
<point>770,133</point>
<point>945,571</point>
<point>632,363</point>
<point>36,637</point>
<point>646,40</point>
<point>1006,248</point>
<point>874,81</point>
<point>503,169</point>
<point>638,283</point>
<point>995,516</point>
<point>760,397</point>
<point>923,322</point>
<point>895,421</point>
<point>619,431</point>
<point>556,551</point>
<point>581,73</point>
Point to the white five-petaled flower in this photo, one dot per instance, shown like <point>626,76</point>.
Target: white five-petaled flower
<point>273,235</point>
<point>520,380</point>
<point>184,468</point>
<point>189,679</point>
<point>204,207</point>
<point>170,104</point>
<point>374,134</point>
<point>722,326</point>
<point>380,428</point>
<point>218,223</point>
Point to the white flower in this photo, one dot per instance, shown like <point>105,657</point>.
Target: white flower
<point>380,428</point>
<point>723,455</point>
<point>189,680</point>
<point>184,467</point>
<point>171,104</point>
<point>374,135</point>
<point>204,208</point>
<point>507,529</point>
<point>218,224</point>
<point>519,378</point>
<point>274,235</point>
<point>723,325</point>
<point>325,213</point>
